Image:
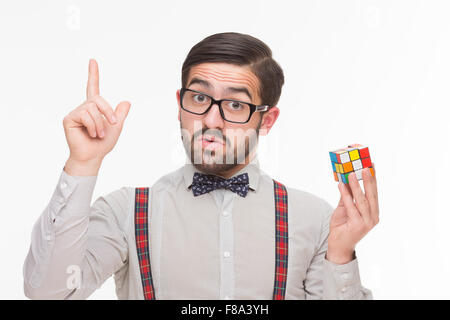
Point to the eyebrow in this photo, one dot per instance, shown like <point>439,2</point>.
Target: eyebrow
<point>229,89</point>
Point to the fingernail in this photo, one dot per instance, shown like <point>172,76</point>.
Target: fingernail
<point>102,133</point>
<point>113,118</point>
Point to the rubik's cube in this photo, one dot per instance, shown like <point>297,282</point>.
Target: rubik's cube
<point>352,159</point>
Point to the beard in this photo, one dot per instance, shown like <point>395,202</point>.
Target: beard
<point>234,152</point>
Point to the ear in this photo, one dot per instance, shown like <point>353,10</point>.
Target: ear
<point>268,120</point>
<point>179,105</point>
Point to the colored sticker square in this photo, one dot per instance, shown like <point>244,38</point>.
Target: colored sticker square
<point>366,162</point>
<point>347,167</point>
<point>358,174</point>
<point>345,177</point>
<point>338,156</point>
<point>372,172</point>
<point>364,152</point>
<point>354,155</point>
<point>333,157</point>
<point>357,164</point>
<point>345,157</point>
<point>335,176</point>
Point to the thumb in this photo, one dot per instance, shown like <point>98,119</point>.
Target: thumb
<point>121,111</point>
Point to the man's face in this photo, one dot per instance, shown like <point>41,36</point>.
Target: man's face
<point>232,142</point>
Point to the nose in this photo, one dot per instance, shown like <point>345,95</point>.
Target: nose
<point>213,119</point>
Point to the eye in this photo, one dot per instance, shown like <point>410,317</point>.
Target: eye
<point>200,98</point>
<point>234,105</point>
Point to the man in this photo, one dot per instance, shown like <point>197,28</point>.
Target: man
<point>216,228</point>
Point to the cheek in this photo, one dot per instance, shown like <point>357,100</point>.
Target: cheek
<point>239,135</point>
<point>190,124</point>
<point>188,120</point>
<point>254,120</point>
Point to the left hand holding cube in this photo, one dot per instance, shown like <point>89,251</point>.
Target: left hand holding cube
<point>357,212</point>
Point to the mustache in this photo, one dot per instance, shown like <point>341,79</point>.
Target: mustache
<point>213,132</point>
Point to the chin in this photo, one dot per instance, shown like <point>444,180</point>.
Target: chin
<point>211,167</point>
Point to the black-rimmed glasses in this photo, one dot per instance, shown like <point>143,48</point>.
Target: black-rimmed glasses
<point>236,111</point>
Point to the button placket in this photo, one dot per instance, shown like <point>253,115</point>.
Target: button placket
<point>226,246</point>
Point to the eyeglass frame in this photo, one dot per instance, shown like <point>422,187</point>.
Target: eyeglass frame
<point>253,107</point>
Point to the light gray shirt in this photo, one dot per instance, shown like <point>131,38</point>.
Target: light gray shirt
<point>214,246</point>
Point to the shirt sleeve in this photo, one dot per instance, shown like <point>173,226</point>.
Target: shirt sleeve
<point>75,247</point>
<point>329,281</point>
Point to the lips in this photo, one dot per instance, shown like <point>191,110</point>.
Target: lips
<point>210,142</point>
<point>210,139</point>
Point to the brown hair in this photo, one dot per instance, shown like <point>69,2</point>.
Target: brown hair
<point>242,50</point>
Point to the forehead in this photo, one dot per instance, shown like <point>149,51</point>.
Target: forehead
<point>224,75</point>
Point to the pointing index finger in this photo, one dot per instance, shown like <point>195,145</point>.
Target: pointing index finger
<point>93,80</point>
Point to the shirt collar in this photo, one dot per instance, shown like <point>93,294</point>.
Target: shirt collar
<point>252,169</point>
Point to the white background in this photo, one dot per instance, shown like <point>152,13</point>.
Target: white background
<point>371,72</point>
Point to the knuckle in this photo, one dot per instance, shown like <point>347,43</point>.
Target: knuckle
<point>95,114</point>
<point>88,104</point>
<point>65,120</point>
<point>361,205</point>
<point>99,125</point>
<point>365,202</point>
<point>94,99</point>
<point>92,106</point>
<point>84,114</point>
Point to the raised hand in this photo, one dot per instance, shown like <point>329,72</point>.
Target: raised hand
<point>93,128</point>
<point>356,214</point>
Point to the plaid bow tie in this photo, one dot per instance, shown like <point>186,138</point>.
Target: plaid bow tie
<point>203,183</point>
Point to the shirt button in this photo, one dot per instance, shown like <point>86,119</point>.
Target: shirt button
<point>63,185</point>
<point>227,298</point>
<point>344,289</point>
<point>345,276</point>
<point>227,254</point>
<point>225,213</point>
<point>48,238</point>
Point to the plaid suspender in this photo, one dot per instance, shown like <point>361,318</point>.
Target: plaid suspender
<point>281,241</point>
<point>142,241</point>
